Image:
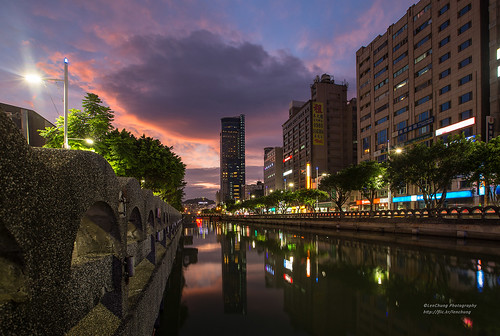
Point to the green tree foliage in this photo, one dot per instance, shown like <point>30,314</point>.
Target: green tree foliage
<point>144,158</point>
<point>94,122</point>
<point>486,168</point>
<point>99,117</point>
<point>309,197</point>
<point>148,160</point>
<point>431,168</point>
<point>339,186</point>
<point>370,178</point>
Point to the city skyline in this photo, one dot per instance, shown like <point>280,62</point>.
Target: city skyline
<point>172,70</point>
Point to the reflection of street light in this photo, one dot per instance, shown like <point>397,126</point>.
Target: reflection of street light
<point>37,80</point>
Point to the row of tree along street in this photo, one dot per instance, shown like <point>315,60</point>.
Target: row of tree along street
<point>145,158</point>
<point>430,168</point>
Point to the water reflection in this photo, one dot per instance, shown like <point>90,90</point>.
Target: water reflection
<point>332,285</point>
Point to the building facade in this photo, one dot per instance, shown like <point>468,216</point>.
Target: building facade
<point>426,77</point>
<point>232,158</point>
<point>254,190</point>
<point>28,122</point>
<point>273,169</point>
<point>318,136</point>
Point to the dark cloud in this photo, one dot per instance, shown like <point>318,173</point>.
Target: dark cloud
<point>190,83</point>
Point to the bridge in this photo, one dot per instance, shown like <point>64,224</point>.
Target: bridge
<point>82,251</point>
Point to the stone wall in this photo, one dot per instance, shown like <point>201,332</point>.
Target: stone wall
<point>79,246</point>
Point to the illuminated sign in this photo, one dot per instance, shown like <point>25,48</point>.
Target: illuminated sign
<point>490,128</point>
<point>288,172</point>
<point>454,127</point>
<point>366,202</point>
<point>318,123</point>
<point>288,278</point>
<point>287,158</point>
<point>420,124</point>
<point>308,176</point>
<point>288,264</point>
<point>452,194</point>
<point>269,269</point>
<point>308,267</point>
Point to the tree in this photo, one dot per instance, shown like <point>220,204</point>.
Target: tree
<point>309,197</point>
<point>94,122</point>
<point>99,116</point>
<point>370,179</point>
<point>431,168</point>
<point>486,168</point>
<point>144,158</point>
<point>339,186</point>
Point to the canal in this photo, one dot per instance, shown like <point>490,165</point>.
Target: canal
<point>239,279</point>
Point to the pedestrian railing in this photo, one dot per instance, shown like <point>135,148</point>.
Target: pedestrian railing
<point>489,212</point>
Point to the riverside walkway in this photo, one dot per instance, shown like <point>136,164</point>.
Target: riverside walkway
<point>473,223</point>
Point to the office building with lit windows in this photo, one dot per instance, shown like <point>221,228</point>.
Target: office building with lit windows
<point>273,169</point>
<point>427,77</point>
<point>318,136</point>
<point>232,158</point>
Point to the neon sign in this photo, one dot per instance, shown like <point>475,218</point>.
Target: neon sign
<point>454,127</point>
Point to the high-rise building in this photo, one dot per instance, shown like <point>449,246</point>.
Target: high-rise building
<point>273,169</point>
<point>232,158</point>
<point>427,77</point>
<point>318,135</point>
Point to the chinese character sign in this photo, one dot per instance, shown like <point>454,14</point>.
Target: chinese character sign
<point>318,136</point>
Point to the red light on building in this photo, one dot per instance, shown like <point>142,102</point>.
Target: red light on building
<point>289,157</point>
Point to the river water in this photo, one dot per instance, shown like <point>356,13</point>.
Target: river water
<point>239,279</point>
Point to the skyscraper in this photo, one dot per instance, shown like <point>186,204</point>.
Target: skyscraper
<point>232,158</point>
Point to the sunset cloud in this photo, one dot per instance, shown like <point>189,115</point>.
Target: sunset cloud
<point>173,69</point>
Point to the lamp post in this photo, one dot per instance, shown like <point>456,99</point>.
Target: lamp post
<point>66,144</point>
<point>37,79</point>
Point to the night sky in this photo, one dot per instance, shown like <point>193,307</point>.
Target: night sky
<point>171,69</point>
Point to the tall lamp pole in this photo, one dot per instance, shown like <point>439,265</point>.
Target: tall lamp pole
<point>66,144</point>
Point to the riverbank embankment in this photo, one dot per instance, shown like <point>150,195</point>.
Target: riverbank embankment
<point>486,229</point>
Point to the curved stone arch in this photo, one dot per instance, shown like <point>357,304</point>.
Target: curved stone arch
<point>135,231</point>
<point>13,280</point>
<point>98,234</point>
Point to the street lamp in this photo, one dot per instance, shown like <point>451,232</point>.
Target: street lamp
<point>37,79</point>
<point>87,140</point>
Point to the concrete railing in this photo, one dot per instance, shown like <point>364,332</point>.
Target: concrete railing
<point>82,251</point>
<point>487,213</point>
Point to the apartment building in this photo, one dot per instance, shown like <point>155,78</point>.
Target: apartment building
<point>318,136</point>
<point>273,169</point>
<point>426,77</point>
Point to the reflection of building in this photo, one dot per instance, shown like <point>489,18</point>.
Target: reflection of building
<point>232,158</point>
<point>234,273</point>
<point>318,135</point>
<point>429,75</point>
<point>273,169</point>
<point>349,287</point>
<point>28,122</point>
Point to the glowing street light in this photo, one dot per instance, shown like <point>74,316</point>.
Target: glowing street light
<point>36,79</point>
